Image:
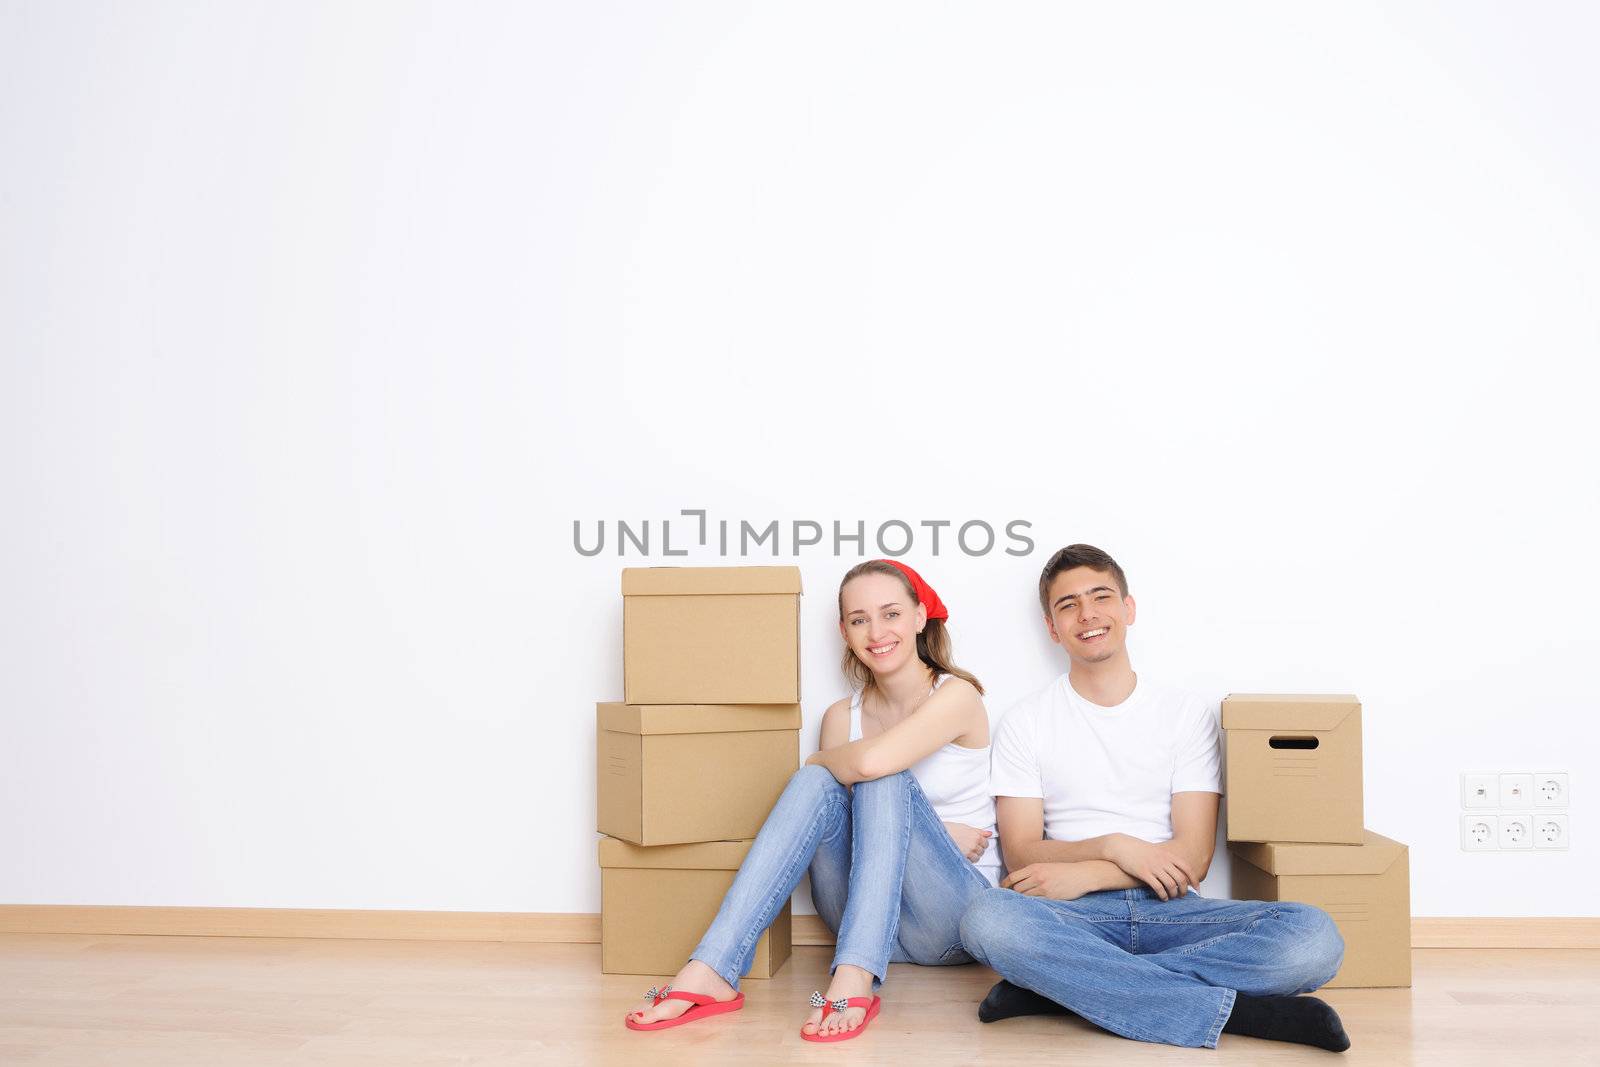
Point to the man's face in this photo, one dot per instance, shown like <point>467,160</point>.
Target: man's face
<point>1088,616</point>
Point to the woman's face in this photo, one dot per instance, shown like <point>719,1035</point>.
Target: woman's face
<point>880,622</point>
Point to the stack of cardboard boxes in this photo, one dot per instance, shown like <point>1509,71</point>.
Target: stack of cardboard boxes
<point>1295,828</point>
<point>690,764</point>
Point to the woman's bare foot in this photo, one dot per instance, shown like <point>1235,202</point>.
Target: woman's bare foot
<point>847,982</point>
<point>695,977</point>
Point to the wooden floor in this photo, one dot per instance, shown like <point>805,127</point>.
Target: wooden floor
<point>85,999</point>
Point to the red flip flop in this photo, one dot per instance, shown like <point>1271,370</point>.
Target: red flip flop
<point>830,1006</point>
<point>704,1007</point>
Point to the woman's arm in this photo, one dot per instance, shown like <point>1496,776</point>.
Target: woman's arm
<point>835,725</point>
<point>952,712</point>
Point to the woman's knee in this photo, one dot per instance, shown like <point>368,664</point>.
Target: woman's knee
<point>815,779</point>
<point>896,783</point>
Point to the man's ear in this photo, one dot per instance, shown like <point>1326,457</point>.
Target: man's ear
<point>1133,609</point>
<point>1050,628</point>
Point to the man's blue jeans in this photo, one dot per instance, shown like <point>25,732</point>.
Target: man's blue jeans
<point>1150,969</point>
<point>885,875</point>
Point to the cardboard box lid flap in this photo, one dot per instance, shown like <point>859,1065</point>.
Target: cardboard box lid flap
<point>704,856</point>
<point>1286,712</point>
<point>688,581</point>
<point>1374,855</point>
<point>653,719</point>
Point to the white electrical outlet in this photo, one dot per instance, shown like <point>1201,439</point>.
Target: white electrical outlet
<point>1550,789</point>
<point>1549,831</point>
<point>1477,833</point>
<point>1516,831</point>
<point>1480,790</point>
<point>1516,791</point>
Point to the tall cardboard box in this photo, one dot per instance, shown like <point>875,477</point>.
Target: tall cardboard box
<point>1294,768</point>
<point>1366,888</point>
<point>655,905</point>
<point>711,635</point>
<point>692,772</point>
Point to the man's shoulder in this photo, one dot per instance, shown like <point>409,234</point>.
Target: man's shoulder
<point>1035,703</point>
<point>1161,694</point>
<point>1181,709</point>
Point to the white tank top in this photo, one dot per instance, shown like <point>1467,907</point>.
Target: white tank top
<point>956,782</point>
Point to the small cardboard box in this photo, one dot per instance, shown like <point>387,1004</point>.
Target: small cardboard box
<point>1294,768</point>
<point>711,635</point>
<point>692,772</point>
<point>656,903</point>
<point>1366,888</point>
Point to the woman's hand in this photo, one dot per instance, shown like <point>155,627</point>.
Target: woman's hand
<point>972,841</point>
<point>1161,867</point>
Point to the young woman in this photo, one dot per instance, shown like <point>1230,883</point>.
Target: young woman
<point>893,815</point>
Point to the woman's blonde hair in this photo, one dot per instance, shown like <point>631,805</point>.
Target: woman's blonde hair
<point>933,643</point>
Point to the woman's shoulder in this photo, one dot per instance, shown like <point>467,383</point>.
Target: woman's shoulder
<point>958,688</point>
<point>838,714</point>
<point>835,729</point>
<point>958,693</point>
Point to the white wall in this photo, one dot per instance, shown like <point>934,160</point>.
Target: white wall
<point>320,327</point>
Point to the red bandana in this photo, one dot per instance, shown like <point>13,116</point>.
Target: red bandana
<point>925,594</point>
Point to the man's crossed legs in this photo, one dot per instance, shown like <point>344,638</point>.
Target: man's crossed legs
<point>1174,971</point>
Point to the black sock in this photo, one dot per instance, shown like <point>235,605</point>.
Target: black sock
<point>1303,1020</point>
<point>1006,1001</point>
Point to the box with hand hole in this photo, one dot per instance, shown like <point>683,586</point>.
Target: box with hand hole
<point>1293,768</point>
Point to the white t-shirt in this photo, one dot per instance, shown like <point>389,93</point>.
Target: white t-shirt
<point>1107,770</point>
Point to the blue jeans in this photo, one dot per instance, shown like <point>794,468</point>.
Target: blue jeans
<point>1150,969</point>
<point>885,875</point>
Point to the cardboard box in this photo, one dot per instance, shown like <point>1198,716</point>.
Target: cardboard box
<point>656,903</point>
<point>692,772</point>
<point>1366,888</point>
<point>1294,768</point>
<point>711,635</point>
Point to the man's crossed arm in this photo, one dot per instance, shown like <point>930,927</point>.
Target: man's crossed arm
<point>1065,870</point>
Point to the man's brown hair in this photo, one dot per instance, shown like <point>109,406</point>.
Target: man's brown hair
<point>1078,556</point>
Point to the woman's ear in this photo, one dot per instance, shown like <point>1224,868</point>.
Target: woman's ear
<point>922,618</point>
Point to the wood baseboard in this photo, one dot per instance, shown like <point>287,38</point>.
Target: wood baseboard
<point>580,928</point>
<point>1491,932</point>
<point>575,927</point>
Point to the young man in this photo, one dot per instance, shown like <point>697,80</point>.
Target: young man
<point>1106,791</point>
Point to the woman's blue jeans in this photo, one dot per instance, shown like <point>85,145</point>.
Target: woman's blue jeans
<point>885,876</point>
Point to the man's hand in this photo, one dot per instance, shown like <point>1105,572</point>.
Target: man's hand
<point>969,839</point>
<point>1058,881</point>
<point>1160,867</point>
